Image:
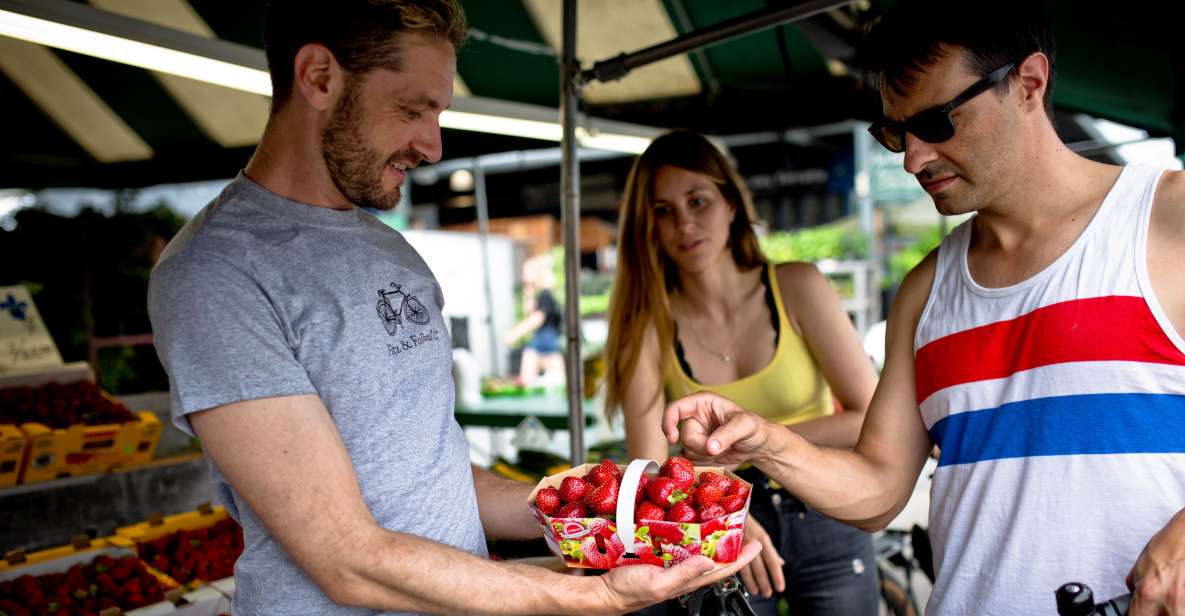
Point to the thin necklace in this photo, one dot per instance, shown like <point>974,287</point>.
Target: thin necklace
<point>725,354</point>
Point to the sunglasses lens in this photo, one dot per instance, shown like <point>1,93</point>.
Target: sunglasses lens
<point>932,126</point>
<point>892,137</point>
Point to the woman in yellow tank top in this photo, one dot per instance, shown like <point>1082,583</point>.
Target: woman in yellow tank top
<point>696,307</point>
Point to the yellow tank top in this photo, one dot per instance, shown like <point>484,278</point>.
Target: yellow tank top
<point>788,390</point>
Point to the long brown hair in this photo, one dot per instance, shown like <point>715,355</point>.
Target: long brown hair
<point>645,275</point>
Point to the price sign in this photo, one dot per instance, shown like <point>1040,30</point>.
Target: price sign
<point>25,343</point>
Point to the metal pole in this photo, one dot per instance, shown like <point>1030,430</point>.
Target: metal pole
<point>483,233</point>
<point>570,221</point>
<point>619,66</point>
<point>861,154</point>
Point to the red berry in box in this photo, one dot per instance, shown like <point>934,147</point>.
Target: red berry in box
<point>649,511</point>
<point>714,479</point>
<point>572,510</point>
<point>603,472</point>
<point>547,500</point>
<point>739,488</point>
<point>708,494</point>
<point>643,481</point>
<point>603,500</point>
<point>679,470</point>
<point>673,461</point>
<point>663,492</point>
<point>711,512</point>
<point>732,503</point>
<point>573,489</point>
<point>682,512</point>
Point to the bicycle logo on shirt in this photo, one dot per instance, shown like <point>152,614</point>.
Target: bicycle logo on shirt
<point>409,308</point>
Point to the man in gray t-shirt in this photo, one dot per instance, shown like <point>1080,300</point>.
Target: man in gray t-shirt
<point>305,347</point>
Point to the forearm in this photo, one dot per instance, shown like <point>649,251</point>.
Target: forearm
<point>839,483</point>
<point>394,571</point>
<point>502,504</point>
<point>524,327</point>
<point>841,430</point>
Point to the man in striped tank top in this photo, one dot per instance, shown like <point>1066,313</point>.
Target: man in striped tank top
<point>1040,347</point>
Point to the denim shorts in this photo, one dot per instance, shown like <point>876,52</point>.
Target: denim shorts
<point>546,340</point>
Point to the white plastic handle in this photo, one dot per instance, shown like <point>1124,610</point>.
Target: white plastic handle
<point>625,500</point>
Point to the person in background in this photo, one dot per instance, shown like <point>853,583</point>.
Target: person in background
<point>696,306</point>
<point>542,322</point>
<point>1040,346</point>
<point>306,348</point>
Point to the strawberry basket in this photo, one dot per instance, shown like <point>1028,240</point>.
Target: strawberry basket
<point>602,516</point>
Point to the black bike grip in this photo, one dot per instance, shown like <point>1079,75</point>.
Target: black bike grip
<point>1075,599</point>
<point>1115,607</point>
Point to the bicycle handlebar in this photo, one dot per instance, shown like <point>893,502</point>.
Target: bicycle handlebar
<point>1077,599</point>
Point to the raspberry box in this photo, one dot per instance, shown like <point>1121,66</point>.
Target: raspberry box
<point>599,543</point>
<point>81,556</point>
<point>135,536</point>
<point>51,453</point>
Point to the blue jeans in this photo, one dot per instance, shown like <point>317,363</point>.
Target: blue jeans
<point>830,567</point>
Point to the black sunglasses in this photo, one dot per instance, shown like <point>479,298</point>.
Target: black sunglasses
<point>933,125</point>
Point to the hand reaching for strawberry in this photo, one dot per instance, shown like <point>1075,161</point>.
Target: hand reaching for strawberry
<point>628,589</point>
<point>715,429</point>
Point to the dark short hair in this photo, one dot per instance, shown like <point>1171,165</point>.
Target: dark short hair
<point>909,38</point>
<point>362,34</point>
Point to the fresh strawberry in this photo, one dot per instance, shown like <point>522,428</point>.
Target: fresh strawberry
<point>643,480</point>
<point>670,532</point>
<point>739,488</point>
<point>728,547</point>
<point>603,500</point>
<point>572,510</point>
<point>649,511</point>
<point>707,494</point>
<point>711,512</point>
<point>709,478</point>
<point>603,472</point>
<point>680,471</point>
<point>732,503</point>
<point>547,500</point>
<point>663,492</point>
<point>673,461</point>
<point>574,489</point>
<point>682,512</point>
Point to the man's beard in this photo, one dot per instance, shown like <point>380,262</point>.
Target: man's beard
<point>355,168</point>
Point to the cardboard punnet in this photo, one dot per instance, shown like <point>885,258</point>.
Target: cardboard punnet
<point>599,543</point>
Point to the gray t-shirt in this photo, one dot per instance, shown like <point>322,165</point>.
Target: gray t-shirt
<point>260,296</point>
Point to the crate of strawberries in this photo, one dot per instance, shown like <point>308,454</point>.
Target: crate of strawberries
<point>71,426</point>
<point>601,516</point>
<point>105,581</point>
<point>192,548</point>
